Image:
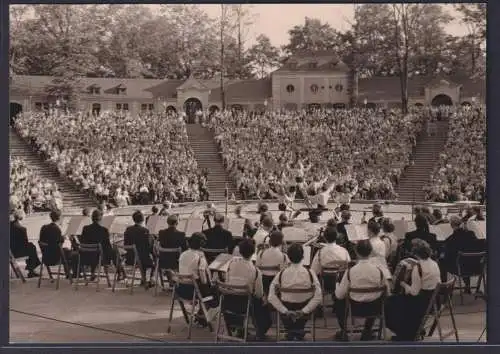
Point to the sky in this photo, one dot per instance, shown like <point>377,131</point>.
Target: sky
<point>274,20</point>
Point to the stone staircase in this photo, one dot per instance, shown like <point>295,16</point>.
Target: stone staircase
<point>207,156</point>
<point>72,197</point>
<point>424,157</point>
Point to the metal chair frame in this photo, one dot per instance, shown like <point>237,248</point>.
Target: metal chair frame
<point>177,279</point>
<point>435,312</point>
<point>137,264</point>
<point>90,248</point>
<point>62,259</point>
<point>272,309</point>
<point>349,318</point>
<point>233,290</point>
<point>310,290</point>
<point>334,269</point>
<point>158,271</point>
<point>482,275</point>
<point>15,268</point>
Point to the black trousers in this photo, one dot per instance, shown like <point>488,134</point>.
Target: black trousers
<point>360,309</point>
<point>185,292</point>
<point>237,307</point>
<point>404,314</point>
<point>29,251</point>
<point>294,329</point>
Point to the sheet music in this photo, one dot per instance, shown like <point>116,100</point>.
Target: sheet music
<point>411,226</point>
<point>306,261</point>
<point>442,231</point>
<point>236,226</point>
<point>181,226</point>
<point>151,224</point>
<point>400,228</point>
<point>107,221</point>
<point>193,225</point>
<point>76,225</point>
<point>361,232</point>
<point>294,234</point>
<point>221,262</point>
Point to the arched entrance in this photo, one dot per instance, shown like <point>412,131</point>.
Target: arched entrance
<point>171,110</point>
<point>442,100</point>
<point>191,106</point>
<point>213,109</point>
<point>96,109</point>
<point>15,109</point>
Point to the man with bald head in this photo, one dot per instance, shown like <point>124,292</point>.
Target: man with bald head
<point>218,237</point>
<point>461,240</point>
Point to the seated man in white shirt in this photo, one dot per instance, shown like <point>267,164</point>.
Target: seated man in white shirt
<point>328,254</point>
<point>193,262</point>
<point>365,274</point>
<point>272,257</point>
<point>261,237</point>
<point>294,307</point>
<point>404,312</point>
<point>242,271</point>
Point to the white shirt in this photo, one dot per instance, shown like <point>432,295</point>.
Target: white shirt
<point>271,257</point>
<point>295,277</point>
<point>379,255</point>
<point>260,236</point>
<point>193,262</point>
<point>242,272</point>
<point>329,253</point>
<point>431,277</point>
<point>364,274</point>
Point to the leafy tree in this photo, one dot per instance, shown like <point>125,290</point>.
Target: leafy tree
<point>263,56</point>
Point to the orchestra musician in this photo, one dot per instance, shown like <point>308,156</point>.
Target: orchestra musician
<point>154,212</point>
<point>414,295</point>
<point>292,307</point>
<point>328,254</point>
<point>284,222</point>
<point>271,257</point>
<point>21,247</point>
<point>217,237</point>
<point>171,238</point>
<point>365,274</point>
<point>438,217</point>
<point>379,248</point>
<point>139,236</point>
<point>422,232</point>
<point>95,233</point>
<point>51,235</point>
<point>377,213</point>
<point>261,237</point>
<point>242,271</point>
<point>193,262</point>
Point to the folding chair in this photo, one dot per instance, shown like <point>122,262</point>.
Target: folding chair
<point>59,262</point>
<point>334,270</point>
<point>467,257</point>
<point>85,253</point>
<point>312,315</point>
<point>15,267</point>
<point>266,280</point>
<point>485,298</point>
<point>233,291</point>
<point>136,264</point>
<point>196,299</point>
<point>380,316</point>
<point>436,309</point>
<point>170,252</point>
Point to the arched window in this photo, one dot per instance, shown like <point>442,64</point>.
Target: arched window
<point>314,88</point>
<point>290,89</point>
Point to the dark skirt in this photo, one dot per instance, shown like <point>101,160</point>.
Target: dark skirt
<point>404,313</point>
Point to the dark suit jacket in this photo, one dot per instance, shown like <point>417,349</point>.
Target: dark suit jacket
<point>18,239</point>
<point>139,236</point>
<point>341,228</point>
<point>218,238</point>
<point>95,233</point>
<point>428,237</point>
<point>52,236</point>
<point>171,238</point>
<point>460,240</point>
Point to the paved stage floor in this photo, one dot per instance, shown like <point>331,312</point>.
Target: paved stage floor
<point>47,315</point>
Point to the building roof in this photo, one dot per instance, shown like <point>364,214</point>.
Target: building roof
<point>244,90</point>
<point>387,88</point>
<point>32,84</point>
<point>323,61</point>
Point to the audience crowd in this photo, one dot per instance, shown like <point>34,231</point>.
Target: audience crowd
<point>29,192</point>
<point>373,146</point>
<point>460,173</point>
<point>118,158</point>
